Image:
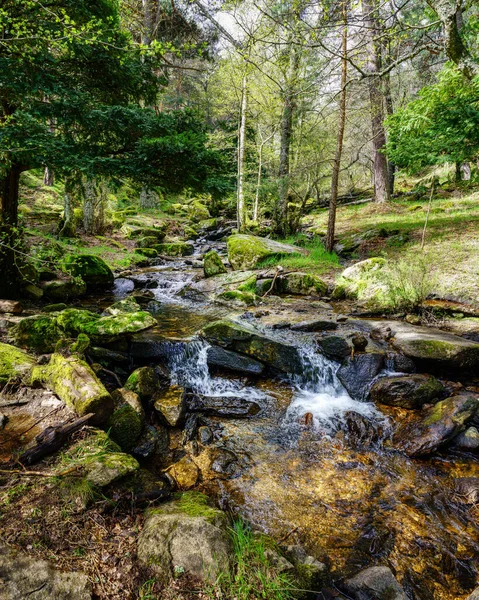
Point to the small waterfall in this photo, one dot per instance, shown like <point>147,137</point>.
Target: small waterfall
<point>319,392</point>
<point>189,368</point>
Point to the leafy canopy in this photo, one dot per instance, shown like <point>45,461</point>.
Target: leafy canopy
<point>441,125</point>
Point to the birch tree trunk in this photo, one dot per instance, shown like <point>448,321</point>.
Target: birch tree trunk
<point>376,100</point>
<point>68,229</point>
<point>48,177</point>
<point>339,141</point>
<point>240,204</point>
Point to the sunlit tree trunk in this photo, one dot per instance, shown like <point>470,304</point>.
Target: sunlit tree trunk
<point>339,141</point>
<point>240,206</point>
<point>68,229</point>
<point>48,177</point>
<point>376,99</point>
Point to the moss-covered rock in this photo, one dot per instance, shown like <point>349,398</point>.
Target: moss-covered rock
<point>39,333</point>
<point>127,305</point>
<point>174,249</point>
<point>92,269</point>
<point>406,391</point>
<point>64,289</point>
<point>212,264</point>
<point>208,224</point>
<point>144,382</point>
<point>125,427</point>
<point>31,291</point>
<point>14,363</point>
<point>303,284</point>
<point>156,232</point>
<point>74,382</point>
<point>187,533</point>
<point>249,341</point>
<point>109,468</point>
<point>245,298</point>
<point>54,307</point>
<point>146,242</point>
<point>197,211</point>
<point>246,251</point>
<point>190,233</point>
<point>148,252</point>
<point>362,281</point>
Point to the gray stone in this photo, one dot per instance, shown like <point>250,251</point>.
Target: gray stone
<point>467,440</point>
<point>313,326</point>
<point>222,407</point>
<point>474,595</point>
<point>406,391</point>
<point>375,583</point>
<point>357,374</point>
<point>226,359</point>
<point>335,347</point>
<point>110,468</point>
<point>147,444</point>
<point>22,578</point>
<point>186,533</point>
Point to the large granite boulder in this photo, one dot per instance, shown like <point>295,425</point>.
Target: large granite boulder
<point>362,281</point>
<point>301,284</point>
<point>423,434</point>
<point>406,391</point>
<point>63,289</point>
<point>247,340</point>
<point>358,372</point>
<point>186,534</point>
<point>246,251</point>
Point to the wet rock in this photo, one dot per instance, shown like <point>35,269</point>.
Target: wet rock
<point>400,363</point>
<point>310,572</point>
<point>148,443</point>
<point>360,431</point>
<point>467,440</point>
<point>63,289</point>
<point>24,577</point>
<point>171,405</point>
<point>226,359</point>
<point>381,333</point>
<point>212,264</point>
<point>205,435</point>
<point>334,347</point>
<point>424,434</point>
<point>186,533</point>
<point>474,595</point>
<point>246,251</point>
<point>357,374</point>
<point>406,391</point>
<point>360,342</point>
<point>466,490</point>
<point>126,423</point>
<point>222,407</point>
<point>314,326</point>
<point>92,269</point>
<point>434,348</point>
<point>144,382</point>
<point>184,473</point>
<point>105,356</point>
<point>14,363</point>
<point>375,583</point>
<point>247,340</point>
<point>10,306</point>
<point>74,382</point>
<point>127,305</point>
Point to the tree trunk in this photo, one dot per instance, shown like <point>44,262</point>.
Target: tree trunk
<point>390,111</point>
<point>48,177</point>
<point>339,142</point>
<point>68,229</point>
<point>147,23</point>
<point>458,175</point>
<point>10,274</point>
<point>281,224</point>
<point>240,205</point>
<point>376,99</point>
<point>93,214</point>
<point>466,171</point>
<point>258,184</point>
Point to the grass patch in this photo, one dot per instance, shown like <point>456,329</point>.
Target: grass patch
<point>253,576</point>
<point>318,261</point>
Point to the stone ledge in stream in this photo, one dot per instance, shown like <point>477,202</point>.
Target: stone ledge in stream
<point>251,342</point>
<point>227,359</point>
<point>375,582</point>
<point>227,406</point>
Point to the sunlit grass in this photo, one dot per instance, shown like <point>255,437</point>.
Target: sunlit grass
<point>318,260</point>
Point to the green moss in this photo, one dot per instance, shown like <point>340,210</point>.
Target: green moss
<point>245,297</point>
<point>197,211</point>
<point>92,269</point>
<point>146,242</point>
<point>249,285</point>
<point>37,333</point>
<point>148,252</point>
<point>81,344</point>
<point>196,504</point>
<point>14,363</point>
<point>174,249</point>
<point>212,264</point>
<point>125,427</point>
<point>143,382</point>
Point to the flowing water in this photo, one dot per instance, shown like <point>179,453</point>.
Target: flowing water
<point>329,481</point>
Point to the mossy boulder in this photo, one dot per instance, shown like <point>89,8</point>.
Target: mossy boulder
<point>148,252</point>
<point>212,264</point>
<point>125,426</point>
<point>174,249</point>
<point>190,233</point>
<point>208,224</point>
<point>246,251</point>
<point>64,289</point>
<point>362,281</point>
<point>247,340</point>
<point>188,533</point>
<point>436,426</point>
<point>92,269</point>
<point>301,284</point>
<point>144,382</point>
<point>146,242</point>
<point>127,305</point>
<point>406,391</point>
<point>39,333</point>
<point>74,382</point>
<point>14,363</point>
<point>108,468</point>
<point>158,233</point>
<point>197,211</point>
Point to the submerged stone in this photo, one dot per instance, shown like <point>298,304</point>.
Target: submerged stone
<point>436,426</point>
<point>246,251</point>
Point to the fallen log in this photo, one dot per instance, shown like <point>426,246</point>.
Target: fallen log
<point>51,439</point>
